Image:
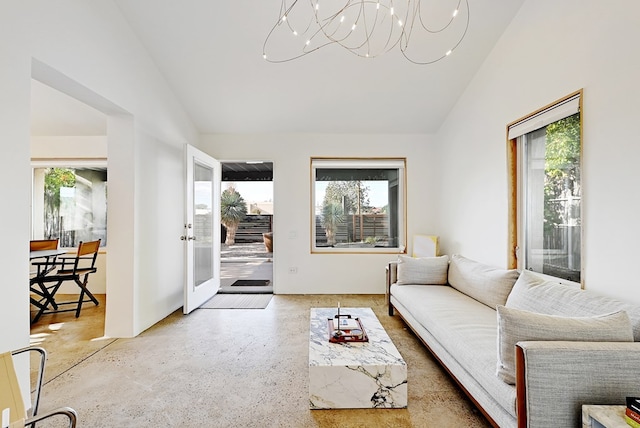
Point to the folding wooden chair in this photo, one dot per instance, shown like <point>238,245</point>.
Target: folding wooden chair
<point>77,269</point>
<point>44,265</point>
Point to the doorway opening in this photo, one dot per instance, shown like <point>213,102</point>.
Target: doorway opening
<point>69,199</point>
<point>246,252</point>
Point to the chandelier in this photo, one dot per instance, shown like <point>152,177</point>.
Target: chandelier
<point>425,31</point>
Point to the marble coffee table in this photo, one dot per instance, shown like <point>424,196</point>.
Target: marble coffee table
<point>354,375</point>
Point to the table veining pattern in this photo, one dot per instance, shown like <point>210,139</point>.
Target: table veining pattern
<point>354,375</point>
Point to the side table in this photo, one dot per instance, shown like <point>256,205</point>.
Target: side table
<point>599,416</point>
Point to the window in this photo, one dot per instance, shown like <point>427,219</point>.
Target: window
<point>70,203</point>
<point>358,205</point>
<point>547,184</point>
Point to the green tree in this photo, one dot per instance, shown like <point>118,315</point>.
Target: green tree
<point>54,180</point>
<point>562,169</point>
<point>233,209</point>
<point>351,195</point>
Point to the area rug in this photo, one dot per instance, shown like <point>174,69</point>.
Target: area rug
<point>251,283</point>
<point>238,301</point>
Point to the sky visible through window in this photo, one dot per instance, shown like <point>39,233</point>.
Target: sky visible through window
<point>378,192</point>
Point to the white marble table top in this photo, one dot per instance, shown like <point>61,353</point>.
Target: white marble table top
<point>379,350</point>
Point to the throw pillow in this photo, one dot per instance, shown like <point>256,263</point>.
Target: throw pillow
<point>515,326</point>
<point>425,270</point>
<point>536,294</point>
<point>486,284</point>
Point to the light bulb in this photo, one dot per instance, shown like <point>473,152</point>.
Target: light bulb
<point>448,52</point>
<point>295,33</point>
<point>264,56</point>
<point>378,5</point>
<point>284,17</point>
<point>353,27</point>
<point>455,12</point>
<point>342,19</point>
<point>391,11</point>
<point>317,6</point>
<point>307,42</point>
<point>400,22</point>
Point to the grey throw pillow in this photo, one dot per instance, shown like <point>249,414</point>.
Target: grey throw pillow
<point>515,326</point>
<point>536,294</point>
<point>486,284</point>
<point>424,270</point>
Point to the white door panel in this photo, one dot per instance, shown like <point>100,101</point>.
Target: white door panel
<point>202,228</point>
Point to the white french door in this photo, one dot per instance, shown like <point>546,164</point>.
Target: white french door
<point>201,228</point>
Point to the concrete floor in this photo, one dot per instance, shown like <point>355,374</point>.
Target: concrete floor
<point>227,368</point>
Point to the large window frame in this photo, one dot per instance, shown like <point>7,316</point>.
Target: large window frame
<point>520,200</point>
<point>391,235</point>
<point>37,193</point>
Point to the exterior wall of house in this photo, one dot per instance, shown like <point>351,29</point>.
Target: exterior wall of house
<point>88,48</point>
<point>550,50</point>
<point>291,155</point>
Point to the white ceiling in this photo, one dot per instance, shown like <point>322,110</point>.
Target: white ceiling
<point>210,53</point>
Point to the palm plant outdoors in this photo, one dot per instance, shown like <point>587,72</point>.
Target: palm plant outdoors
<point>233,209</point>
<point>332,216</point>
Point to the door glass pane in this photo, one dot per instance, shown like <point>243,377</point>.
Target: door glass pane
<point>203,223</point>
<point>553,197</point>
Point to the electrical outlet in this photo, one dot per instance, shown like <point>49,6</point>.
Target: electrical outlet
<point>293,269</point>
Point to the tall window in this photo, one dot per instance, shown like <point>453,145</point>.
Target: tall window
<point>358,205</point>
<point>549,189</point>
<point>70,203</point>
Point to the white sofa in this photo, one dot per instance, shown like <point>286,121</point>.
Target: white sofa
<point>466,313</point>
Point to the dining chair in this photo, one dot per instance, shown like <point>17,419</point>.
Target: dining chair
<point>41,298</point>
<point>14,412</point>
<point>77,269</point>
<point>43,244</point>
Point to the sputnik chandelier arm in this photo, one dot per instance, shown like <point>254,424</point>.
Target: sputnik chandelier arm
<point>368,28</point>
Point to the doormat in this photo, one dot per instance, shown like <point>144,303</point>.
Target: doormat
<point>238,301</point>
<point>251,283</point>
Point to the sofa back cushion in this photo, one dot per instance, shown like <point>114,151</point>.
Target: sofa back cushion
<point>486,284</point>
<point>424,270</point>
<point>515,326</point>
<point>536,294</point>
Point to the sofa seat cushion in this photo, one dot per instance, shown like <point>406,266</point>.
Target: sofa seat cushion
<point>424,270</point>
<point>486,284</point>
<point>466,328</point>
<point>536,294</point>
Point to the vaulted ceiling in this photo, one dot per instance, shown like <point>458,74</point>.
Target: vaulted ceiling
<point>210,53</point>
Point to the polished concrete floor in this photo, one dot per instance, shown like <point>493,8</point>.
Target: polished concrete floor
<point>227,368</point>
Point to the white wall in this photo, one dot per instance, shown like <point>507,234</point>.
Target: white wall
<point>551,49</point>
<point>68,147</point>
<point>94,54</point>
<point>291,153</point>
